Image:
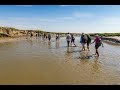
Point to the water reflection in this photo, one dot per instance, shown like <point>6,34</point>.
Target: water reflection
<point>57,44</point>
<point>95,65</point>
<point>49,44</point>
<point>30,42</point>
<point>34,64</point>
<point>67,54</point>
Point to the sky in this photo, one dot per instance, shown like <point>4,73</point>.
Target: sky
<point>62,18</point>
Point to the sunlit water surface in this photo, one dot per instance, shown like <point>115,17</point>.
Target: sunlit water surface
<point>34,61</point>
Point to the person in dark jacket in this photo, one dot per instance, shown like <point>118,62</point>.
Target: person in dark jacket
<point>49,37</point>
<point>72,40</point>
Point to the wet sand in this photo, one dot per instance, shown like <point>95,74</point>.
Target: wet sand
<point>33,61</point>
<point>10,39</point>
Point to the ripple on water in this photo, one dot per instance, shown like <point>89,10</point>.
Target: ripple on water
<point>42,62</point>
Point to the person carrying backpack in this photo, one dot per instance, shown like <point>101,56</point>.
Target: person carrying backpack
<point>88,41</point>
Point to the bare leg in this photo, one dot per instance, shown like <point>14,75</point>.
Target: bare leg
<point>88,48</point>
<point>84,47</point>
<point>97,52</point>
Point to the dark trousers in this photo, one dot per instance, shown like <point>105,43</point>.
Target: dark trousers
<point>49,39</point>
<point>68,42</point>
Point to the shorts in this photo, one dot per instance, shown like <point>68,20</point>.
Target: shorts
<point>83,44</point>
<point>97,46</point>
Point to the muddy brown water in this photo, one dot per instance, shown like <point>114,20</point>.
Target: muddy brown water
<point>34,61</point>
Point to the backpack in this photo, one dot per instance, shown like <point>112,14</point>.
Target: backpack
<point>89,39</point>
<point>83,39</point>
<point>68,37</point>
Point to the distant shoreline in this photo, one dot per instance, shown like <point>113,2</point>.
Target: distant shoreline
<point>112,40</point>
<point>115,39</point>
<point>12,34</point>
<point>11,39</point>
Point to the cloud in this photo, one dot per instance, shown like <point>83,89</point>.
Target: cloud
<point>38,19</point>
<point>65,18</point>
<point>66,23</point>
<point>24,5</point>
<point>67,5</point>
<point>79,14</point>
<point>111,20</point>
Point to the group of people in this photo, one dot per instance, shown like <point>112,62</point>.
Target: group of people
<point>49,36</point>
<point>70,39</point>
<point>85,39</point>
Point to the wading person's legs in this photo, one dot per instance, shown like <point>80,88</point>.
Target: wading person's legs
<point>74,42</point>
<point>88,46</point>
<point>96,50</point>
<point>49,39</point>
<point>71,42</point>
<point>68,43</point>
<point>83,46</point>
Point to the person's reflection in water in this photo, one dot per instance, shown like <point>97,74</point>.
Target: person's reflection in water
<point>68,54</point>
<point>31,42</point>
<point>83,57</point>
<point>49,44</point>
<point>57,44</point>
<point>95,65</point>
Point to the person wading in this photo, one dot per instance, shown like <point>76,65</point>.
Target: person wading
<point>72,40</point>
<point>98,43</point>
<point>68,38</point>
<point>49,37</point>
<point>83,41</point>
<point>57,37</point>
<point>88,41</point>
<point>31,34</point>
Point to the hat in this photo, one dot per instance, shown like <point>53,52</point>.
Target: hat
<point>97,35</point>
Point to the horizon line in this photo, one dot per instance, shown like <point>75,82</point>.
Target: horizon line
<point>57,32</point>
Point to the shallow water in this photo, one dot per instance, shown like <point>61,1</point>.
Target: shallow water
<point>41,62</point>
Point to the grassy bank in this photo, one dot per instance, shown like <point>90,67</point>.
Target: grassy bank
<point>4,35</point>
<point>105,34</point>
<point>10,31</point>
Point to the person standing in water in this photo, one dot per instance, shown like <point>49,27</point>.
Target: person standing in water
<point>72,39</point>
<point>31,34</point>
<point>88,41</point>
<point>36,35</point>
<point>68,38</point>
<point>49,37</point>
<point>83,41</point>
<point>97,42</point>
<point>57,37</point>
<point>46,36</point>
